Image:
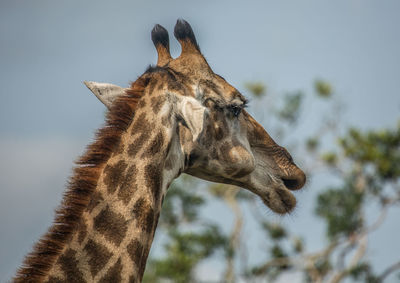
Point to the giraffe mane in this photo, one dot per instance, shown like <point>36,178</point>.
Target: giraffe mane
<point>81,185</point>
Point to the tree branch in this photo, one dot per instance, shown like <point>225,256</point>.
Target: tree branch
<point>354,261</point>
<point>234,240</point>
<point>389,270</point>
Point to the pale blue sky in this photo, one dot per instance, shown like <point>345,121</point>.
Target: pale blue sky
<point>47,48</point>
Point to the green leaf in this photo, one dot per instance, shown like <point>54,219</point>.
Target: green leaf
<point>312,144</point>
<point>323,88</point>
<point>275,231</point>
<point>184,251</point>
<point>291,107</point>
<point>323,265</point>
<point>298,245</point>
<point>330,158</point>
<point>341,210</point>
<point>277,251</point>
<point>257,89</point>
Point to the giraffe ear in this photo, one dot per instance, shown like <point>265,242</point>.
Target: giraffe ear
<point>192,112</point>
<point>105,92</point>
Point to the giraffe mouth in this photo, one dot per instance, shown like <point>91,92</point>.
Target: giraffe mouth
<point>279,199</point>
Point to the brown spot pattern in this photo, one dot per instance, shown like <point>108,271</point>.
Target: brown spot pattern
<point>94,201</point>
<point>157,102</point>
<point>139,141</point>
<point>128,186</point>
<point>153,175</point>
<point>160,86</point>
<point>82,185</point>
<point>143,263</point>
<point>144,215</point>
<point>113,274</point>
<point>120,148</point>
<point>155,146</point>
<point>156,219</point>
<point>138,255</point>
<point>210,85</point>
<point>99,256</point>
<point>139,207</point>
<point>149,220</point>
<point>152,85</point>
<point>142,103</point>
<point>139,123</point>
<point>53,279</point>
<point>114,175</point>
<point>135,251</point>
<point>173,85</point>
<point>112,225</point>
<point>69,265</point>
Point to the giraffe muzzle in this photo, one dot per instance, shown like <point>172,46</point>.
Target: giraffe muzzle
<point>294,181</point>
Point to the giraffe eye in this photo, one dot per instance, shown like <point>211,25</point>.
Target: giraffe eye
<point>235,110</point>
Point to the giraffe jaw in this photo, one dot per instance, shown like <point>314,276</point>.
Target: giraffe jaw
<point>272,190</point>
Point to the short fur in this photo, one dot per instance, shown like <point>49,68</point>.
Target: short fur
<point>225,157</point>
<point>81,186</point>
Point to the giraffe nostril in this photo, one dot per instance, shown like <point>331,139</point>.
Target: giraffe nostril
<point>296,181</point>
<point>290,184</point>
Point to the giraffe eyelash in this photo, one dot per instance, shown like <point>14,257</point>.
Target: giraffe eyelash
<point>245,104</point>
<point>236,109</point>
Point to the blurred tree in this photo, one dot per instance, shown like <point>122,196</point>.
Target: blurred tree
<point>257,89</point>
<point>188,239</point>
<point>323,88</point>
<point>367,164</point>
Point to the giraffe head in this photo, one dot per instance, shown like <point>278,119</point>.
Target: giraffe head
<point>219,140</point>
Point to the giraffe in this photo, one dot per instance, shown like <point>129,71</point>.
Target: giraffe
<point>178,117</point>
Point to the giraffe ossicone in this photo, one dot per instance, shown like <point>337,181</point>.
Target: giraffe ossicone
<point>178,117</point>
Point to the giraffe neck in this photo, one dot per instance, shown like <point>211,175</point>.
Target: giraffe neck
<point>114,236</point>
